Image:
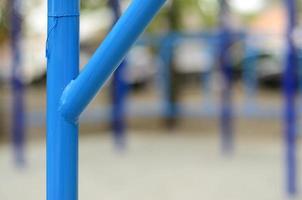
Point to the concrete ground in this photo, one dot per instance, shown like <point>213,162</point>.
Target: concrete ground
<point>159,166</point>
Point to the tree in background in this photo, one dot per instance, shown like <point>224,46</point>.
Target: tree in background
<point>93,4</point>
<point>3,21</point>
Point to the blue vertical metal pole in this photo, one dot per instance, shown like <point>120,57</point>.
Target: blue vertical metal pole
<point>299,54</point>
<point>119,91</point>
<point>250,76</point>
<point>289,78</point>
<point>170,107</point>
<point>62,53</point>
<point>226,71</point>
<point>18,124</point>
<point>171,82</point>
<point>206,78</point>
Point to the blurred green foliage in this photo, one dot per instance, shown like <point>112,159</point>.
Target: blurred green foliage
<point>173,15</point>
<point>93,4</point>
<point>3,20</point>
<point>206,10</point>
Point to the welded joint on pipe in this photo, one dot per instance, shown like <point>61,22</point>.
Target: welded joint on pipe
<point>74,100</point>
<point>69,118</point>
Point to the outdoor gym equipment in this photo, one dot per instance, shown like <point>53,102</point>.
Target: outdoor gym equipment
<point>289,78</point>
<point>18,118</point>
<point>226,118</point>
<point>119,90</point>
<point>68,92</point>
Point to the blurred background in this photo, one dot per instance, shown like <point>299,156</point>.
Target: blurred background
<point>198,110</point>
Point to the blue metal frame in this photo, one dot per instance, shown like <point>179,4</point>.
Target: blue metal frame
<point>250,77</point>
<point>290,80</point>
<point>119,92</point>
<point>226,118</point>
<point>69,93</point>
<point>18,108</point>
<point>299,50</point>
<point>62,67</point>
<point>107,57</point>
<point>166,53</point>
<point>207,77</point>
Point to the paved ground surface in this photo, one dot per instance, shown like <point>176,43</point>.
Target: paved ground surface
<point>158,166</point>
